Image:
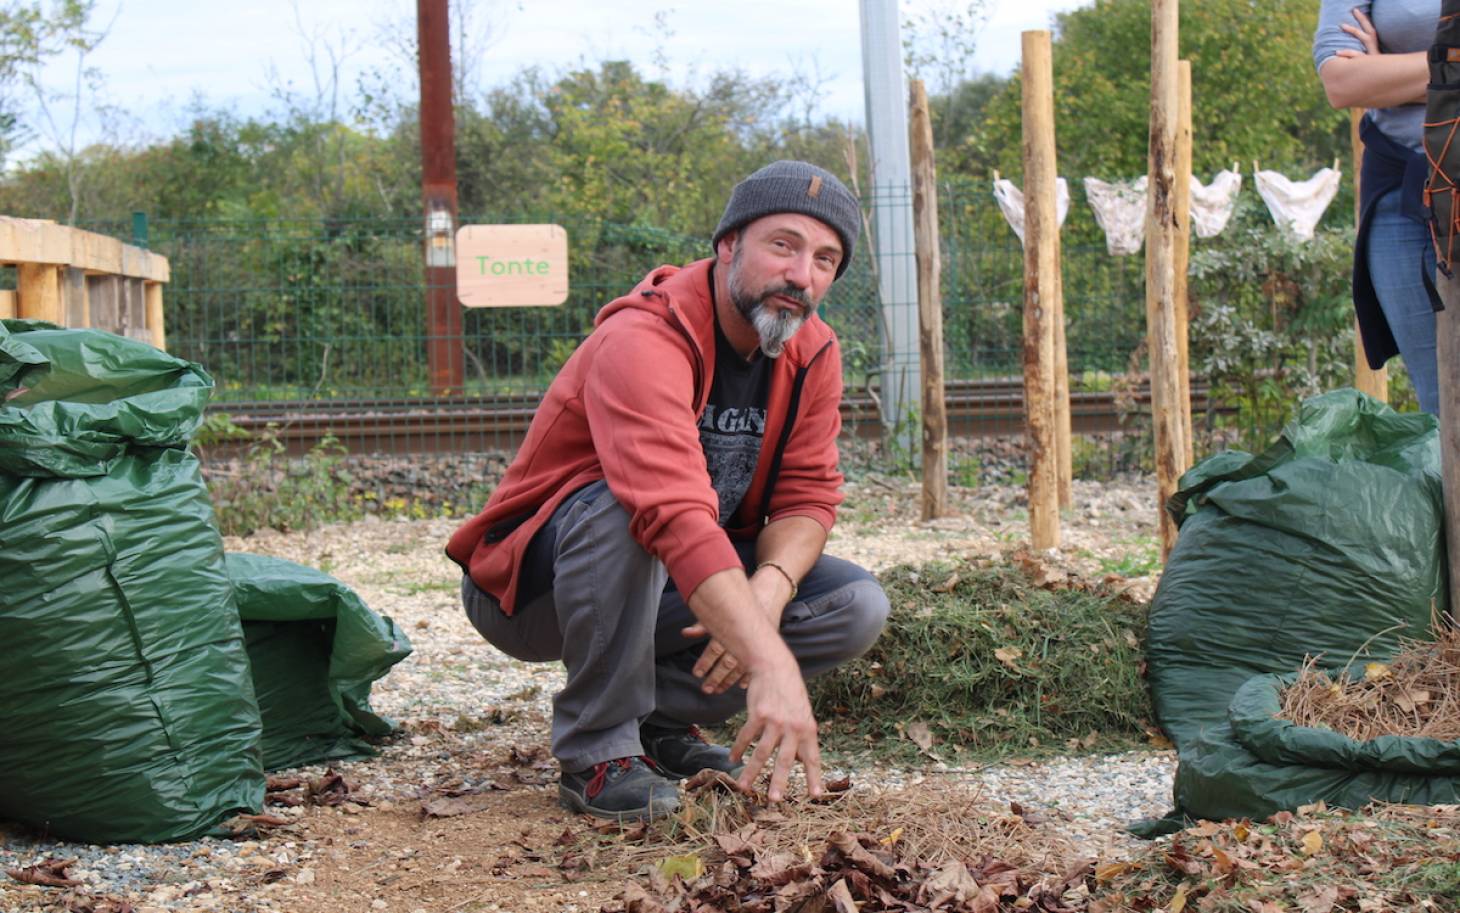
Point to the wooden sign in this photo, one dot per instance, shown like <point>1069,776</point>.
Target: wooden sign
<point>511,265</point>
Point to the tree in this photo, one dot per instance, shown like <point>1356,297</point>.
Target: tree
<point>1254,90</point>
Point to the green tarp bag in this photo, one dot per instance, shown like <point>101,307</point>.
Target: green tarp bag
<point>126,709</point>
<point>1328,543</point>
<point>314,648</point>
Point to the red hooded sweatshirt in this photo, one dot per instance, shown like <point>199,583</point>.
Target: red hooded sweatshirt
<point>625,407</point>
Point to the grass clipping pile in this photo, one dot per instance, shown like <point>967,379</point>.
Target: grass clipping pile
<point>984,659</point>
<point>1416,694</point>
<point>931,847</point>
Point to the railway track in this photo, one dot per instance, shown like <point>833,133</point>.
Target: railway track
<point>473,423</point>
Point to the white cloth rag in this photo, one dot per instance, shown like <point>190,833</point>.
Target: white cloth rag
<point>1212,204</point>
<point>1120,210</point>
<point>1011,201</point>
<point>1296,206</point>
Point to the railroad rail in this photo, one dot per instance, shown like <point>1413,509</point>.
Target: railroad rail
<point>499,422</point>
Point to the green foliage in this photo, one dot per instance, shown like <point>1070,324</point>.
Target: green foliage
<point>1273,323</point>
<point>273,490</point>
<point>993,666</point>
<point>1255,95</point>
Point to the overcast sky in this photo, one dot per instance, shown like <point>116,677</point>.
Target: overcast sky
<point>160,54</point>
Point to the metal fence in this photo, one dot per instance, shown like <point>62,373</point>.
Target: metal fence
<point>320,327</point>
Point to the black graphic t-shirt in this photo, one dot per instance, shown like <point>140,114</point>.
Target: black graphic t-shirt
<point>733,422</point>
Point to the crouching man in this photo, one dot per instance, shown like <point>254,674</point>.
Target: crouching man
<point>660,531</point>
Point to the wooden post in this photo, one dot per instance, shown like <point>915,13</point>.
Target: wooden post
<point>40,292</point>
<point>75,300</point>
<point>156,330</point>
<point>1366,379</point>
<point>1181,210</point>
<point>8,307</point>
<point>1160,265</point>
<point>1065,463</point>
<point>1041,226</point>
<point>930,304</point>
<point>1447,354</point>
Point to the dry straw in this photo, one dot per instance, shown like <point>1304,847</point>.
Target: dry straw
<point>1417,694</point>
<point>933,821</point>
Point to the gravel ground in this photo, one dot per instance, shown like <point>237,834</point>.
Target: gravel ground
<point>474,725</point>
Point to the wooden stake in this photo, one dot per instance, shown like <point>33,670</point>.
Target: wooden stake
<point>8,308</point>
<point>156,330</point>
<point>1065,464</point>
<point>930,303</point>
<point>1181,259</point>
<point>1447,331</point>
<point>1447,345</point>
<point>1160,266</point>
<point>1366,379</point>
<point>1041,228</point>
<point>40,292</point>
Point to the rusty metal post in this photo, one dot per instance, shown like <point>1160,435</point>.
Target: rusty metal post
<point>444,352</point>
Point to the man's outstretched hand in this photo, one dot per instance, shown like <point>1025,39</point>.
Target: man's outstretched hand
<point>782,727</point>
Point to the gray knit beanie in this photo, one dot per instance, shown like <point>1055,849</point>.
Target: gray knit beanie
<point>800,187</point>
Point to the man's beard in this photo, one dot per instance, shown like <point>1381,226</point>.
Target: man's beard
<point>774,326</point>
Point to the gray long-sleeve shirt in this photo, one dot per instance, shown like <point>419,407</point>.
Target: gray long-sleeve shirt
<point>1403,26</point>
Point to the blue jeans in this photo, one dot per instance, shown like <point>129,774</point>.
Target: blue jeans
<point>1399,248</point>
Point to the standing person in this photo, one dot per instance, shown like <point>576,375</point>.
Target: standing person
<point>660,531</point>
<point>1373,54</point>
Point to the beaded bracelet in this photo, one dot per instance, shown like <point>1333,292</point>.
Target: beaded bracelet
<point>783,574</point>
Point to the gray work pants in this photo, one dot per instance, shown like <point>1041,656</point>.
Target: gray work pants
<point>612,617</point>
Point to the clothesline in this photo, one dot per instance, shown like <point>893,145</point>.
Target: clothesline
<point>1120,206</point>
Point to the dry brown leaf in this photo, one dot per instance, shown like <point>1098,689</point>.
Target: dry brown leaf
<point>946,586</point>
<point>841,897</point>
<point>850,847</point>
<point>1409,700</point>
<point>708,778</point>
<point>50,873</point>
<point>951,882</point>
<point>1008,656</point>
<point>447,808</point>
<point>921,735</point>
<point>1319,900</point>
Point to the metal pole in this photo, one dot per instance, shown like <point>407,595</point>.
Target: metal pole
<point>438,191</point>
<point>892,221</point>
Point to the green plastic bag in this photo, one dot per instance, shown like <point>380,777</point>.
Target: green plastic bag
<point>1327,543</point>
<point>314,647</point>
<point>126,707</point>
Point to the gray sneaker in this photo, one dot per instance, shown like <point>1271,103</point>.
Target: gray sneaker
<point>684,752</point>
<point>624,789</point>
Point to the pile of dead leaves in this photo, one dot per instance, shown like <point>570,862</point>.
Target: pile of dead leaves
<point>1388,858</point>
<point>1417,694</point>
<point>930,847</point>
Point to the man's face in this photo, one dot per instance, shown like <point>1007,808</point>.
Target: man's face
<point>780,268</point>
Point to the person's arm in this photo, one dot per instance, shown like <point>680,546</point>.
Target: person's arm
<point>785,551</point>
<point>1368,78</point>
<point>779,718</point>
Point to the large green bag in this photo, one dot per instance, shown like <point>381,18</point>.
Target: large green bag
<point>1328,543</point>
<point>126,709</point>
<point>314,648</point>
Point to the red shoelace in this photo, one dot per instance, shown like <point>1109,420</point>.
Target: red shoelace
<point>600,773</point>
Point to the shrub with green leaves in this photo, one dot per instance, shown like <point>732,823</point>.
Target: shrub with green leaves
<point>992,665</point>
